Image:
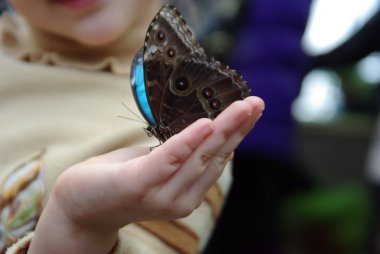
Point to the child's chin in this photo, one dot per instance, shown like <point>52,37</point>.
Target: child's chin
<point>97,36</point>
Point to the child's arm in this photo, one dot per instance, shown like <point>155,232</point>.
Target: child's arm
<point>95,198</point>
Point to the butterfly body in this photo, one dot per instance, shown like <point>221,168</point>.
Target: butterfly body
<point>175,82</point>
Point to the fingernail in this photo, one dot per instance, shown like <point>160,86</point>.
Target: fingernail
<point>250,112</point>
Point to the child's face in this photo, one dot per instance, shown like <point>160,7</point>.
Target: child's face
<point>90,22</point>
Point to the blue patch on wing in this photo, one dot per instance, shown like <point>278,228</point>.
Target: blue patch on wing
<point>138,86</point>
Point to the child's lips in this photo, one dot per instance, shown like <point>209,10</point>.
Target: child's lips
<point>77,4</point>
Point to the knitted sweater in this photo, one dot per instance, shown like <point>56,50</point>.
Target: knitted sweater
<point>58,110</point>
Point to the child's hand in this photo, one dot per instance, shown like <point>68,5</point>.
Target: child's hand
<point>95,198</point>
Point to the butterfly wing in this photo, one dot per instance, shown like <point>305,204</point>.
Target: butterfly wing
<point>181,84</point>
<point>198,89</point>
<point>167,39</point>
<point>168,33</point>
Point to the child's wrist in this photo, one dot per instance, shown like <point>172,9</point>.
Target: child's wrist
<point>57,233</point>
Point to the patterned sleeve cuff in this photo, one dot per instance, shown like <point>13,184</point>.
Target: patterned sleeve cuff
<point>21,246</point>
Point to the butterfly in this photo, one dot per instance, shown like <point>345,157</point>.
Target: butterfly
<point>174,82</point>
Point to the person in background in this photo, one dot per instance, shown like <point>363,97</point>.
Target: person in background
<point>74,178</point>
<point>269,55</point>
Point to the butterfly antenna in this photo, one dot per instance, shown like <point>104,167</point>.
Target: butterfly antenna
<point>135,120</point>
<point>133,113</point>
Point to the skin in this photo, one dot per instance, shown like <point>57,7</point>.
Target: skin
<point>96,26</point>
<point>92,200</point>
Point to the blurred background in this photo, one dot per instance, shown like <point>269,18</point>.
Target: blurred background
<point>305,182</point>
<point>303,179</point>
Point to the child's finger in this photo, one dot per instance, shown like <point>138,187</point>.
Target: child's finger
<point>229,122</point>
<point>257,107</point>
<point>156,167</point>
<point>217,164</point>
